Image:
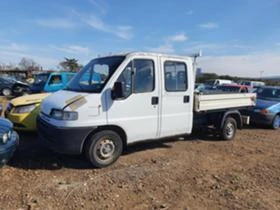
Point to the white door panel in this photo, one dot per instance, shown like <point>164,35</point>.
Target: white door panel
<point>176,100</point>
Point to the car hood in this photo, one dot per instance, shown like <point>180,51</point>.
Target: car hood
<point>61,99</point>
<point>5,125</point>
<point>29,99</point>
<point>264,104</point>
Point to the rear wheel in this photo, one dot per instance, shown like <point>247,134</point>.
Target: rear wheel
<point>6,92</point>
<point>229,129</point>
<point>104,148</point>
<point>276,122</point>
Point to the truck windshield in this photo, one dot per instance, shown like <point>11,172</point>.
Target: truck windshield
<point>41,79</point>
<point>94,76</point>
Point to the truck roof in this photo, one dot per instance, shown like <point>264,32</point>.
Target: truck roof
<point>139,53</point>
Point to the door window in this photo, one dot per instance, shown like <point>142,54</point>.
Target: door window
<point>175,76</point>
<point>55,80</point>
<point>138,77</point>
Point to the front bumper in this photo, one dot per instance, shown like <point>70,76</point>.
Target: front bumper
<point>259,118</point>
<point>66,140</point>
<point>7,150</point>
<point>24,121</point>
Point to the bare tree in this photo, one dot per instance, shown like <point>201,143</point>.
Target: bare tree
<point>29,64</point>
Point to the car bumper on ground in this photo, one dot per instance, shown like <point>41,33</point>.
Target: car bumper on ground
<point>259,118</point>
<point>65,140</point>
<point>7,150</point>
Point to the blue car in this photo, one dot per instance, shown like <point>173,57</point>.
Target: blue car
<point>50,82</point>
<point>8,141</point>
<point>267,109</point>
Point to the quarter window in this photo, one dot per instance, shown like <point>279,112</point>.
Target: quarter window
<point>175,76</point>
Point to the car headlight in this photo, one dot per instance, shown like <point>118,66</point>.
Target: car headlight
<point>24,109</point>
<point>5,138</point>
<point>63,115</point>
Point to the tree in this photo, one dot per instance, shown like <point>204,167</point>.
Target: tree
<point>70,64</point>
<point>29,64</point>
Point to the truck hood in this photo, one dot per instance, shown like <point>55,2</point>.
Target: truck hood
<point>264,104</point>
<point>29,99</point>
<point>61,100</point>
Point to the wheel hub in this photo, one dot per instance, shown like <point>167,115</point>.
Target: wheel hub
<point>106,148</point>
<point>230,129</point>
<point>277,122</point>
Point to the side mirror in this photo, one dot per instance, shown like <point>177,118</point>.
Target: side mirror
<point>117,91</point>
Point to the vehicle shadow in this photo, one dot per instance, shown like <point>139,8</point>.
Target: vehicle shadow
<point>32,155</point>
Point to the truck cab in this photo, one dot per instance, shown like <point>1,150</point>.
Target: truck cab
<point>50,81</point>
<point>121,99</point>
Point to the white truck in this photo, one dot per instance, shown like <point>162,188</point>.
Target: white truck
<point>120,99</point>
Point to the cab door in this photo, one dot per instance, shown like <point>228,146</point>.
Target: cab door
<point>137,112</point>
<point>54,83</point>
<point>176,99</point>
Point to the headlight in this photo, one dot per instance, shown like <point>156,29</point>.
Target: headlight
<point>24,109</point>
<point>5,138</point>
<point>63,115</point>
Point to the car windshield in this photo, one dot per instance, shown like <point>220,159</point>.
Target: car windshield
<point>229,88</point>
<point>41,79</point>
<point>94,76</point>
<point>269,93</point>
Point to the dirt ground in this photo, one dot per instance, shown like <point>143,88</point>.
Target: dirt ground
<point>190,173</point>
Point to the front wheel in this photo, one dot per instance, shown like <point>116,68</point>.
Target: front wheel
<point>104,148</point>
<point>276,122</point>
<point>229,129</point>
<point>6,92</point>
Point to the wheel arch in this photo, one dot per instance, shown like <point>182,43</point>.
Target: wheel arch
<point>114,128</point>
<point>235,114</point>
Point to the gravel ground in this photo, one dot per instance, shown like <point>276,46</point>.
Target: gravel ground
<point>190,173</point>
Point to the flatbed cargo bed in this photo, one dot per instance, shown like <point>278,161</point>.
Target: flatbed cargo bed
<point>211,102</point>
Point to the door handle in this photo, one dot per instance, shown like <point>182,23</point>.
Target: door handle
<point>186,99</point>
<point>154,100</point>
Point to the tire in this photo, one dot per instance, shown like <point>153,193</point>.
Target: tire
<point>276,122</point>
<point>6,92</point>
<point>229,129</point>
<point>103,148</point>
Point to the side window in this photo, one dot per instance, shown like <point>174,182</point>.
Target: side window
<point>138,77</point>
<point>175,76</point>
<point>55,80</point>
<point>144,76</point>
<point>126,79</point>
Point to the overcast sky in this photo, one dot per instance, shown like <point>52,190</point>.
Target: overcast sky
<point>240,37</point>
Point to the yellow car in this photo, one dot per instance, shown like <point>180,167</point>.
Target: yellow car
<point>23,111</point>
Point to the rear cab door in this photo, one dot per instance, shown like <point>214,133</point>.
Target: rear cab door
<point>176,114</point>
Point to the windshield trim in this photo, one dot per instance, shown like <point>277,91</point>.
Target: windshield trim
<point>75,80</point>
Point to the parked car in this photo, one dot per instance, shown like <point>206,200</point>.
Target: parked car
<point>50,82</point>
<point>10,86</point>
<point>267,110</point>
<point>252,84</point>
<point>233,88</point>
<point>216,82</point>
<point>8,141</point>
<point>23,111</point>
